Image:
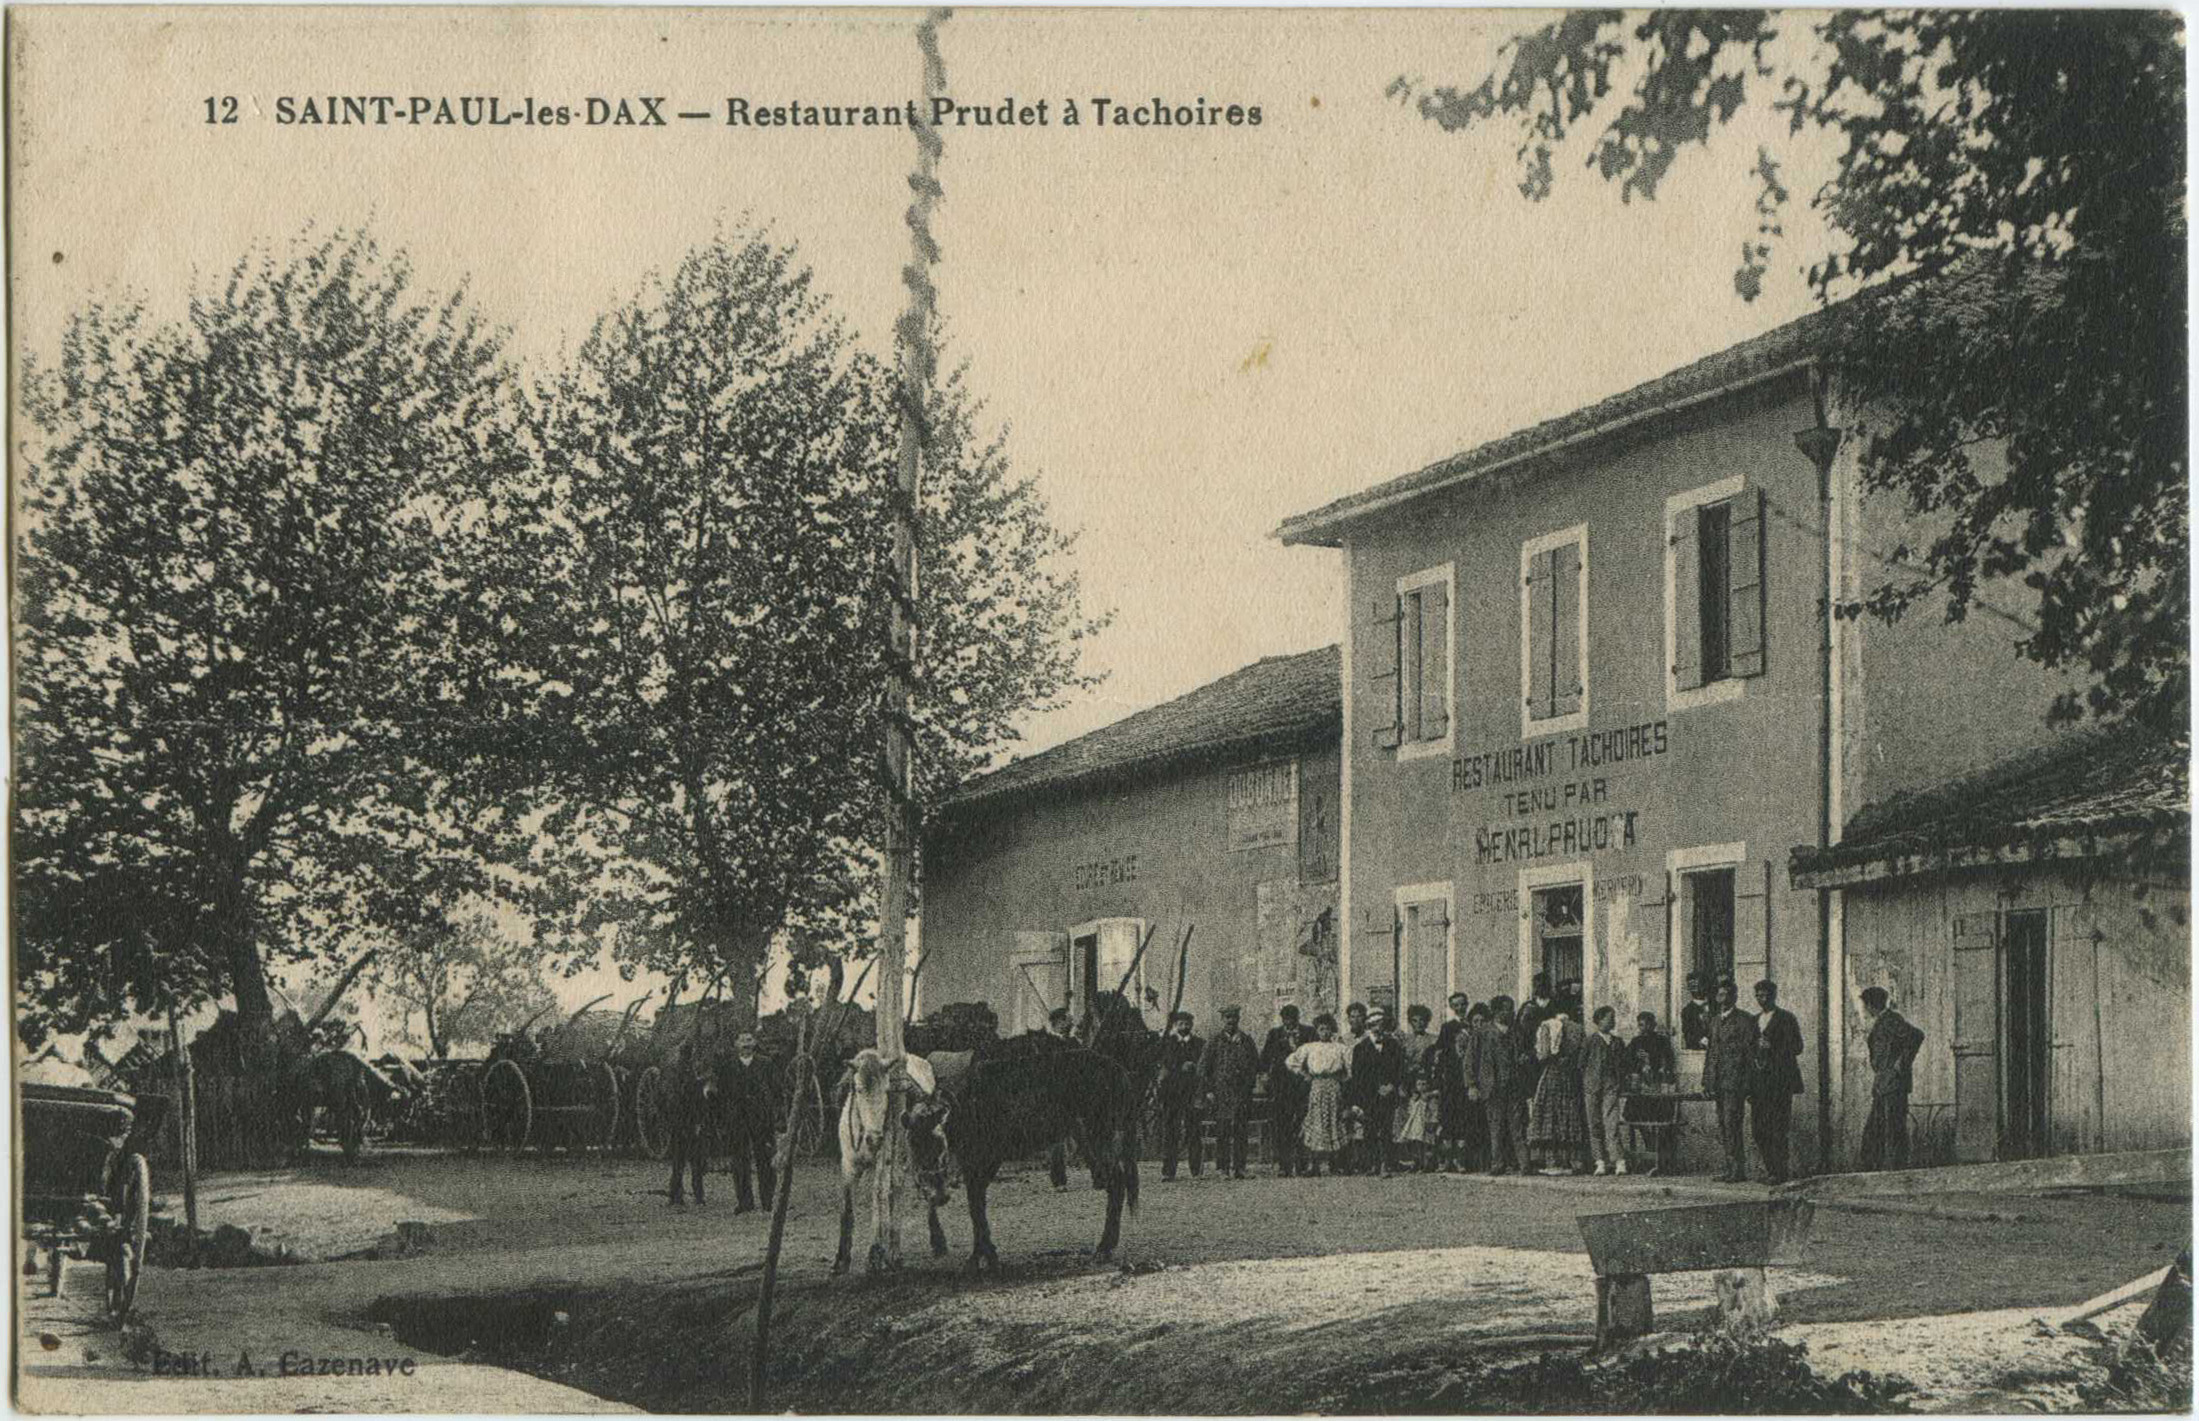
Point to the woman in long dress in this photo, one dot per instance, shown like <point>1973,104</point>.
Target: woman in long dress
<point>1325,1064</point>
<point>1560,1129</point>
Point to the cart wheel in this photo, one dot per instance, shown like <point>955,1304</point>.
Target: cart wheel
<point>507,1107</point>
<point>133,1222</point>
<point>649,1127</point>
<point>606,1105</point>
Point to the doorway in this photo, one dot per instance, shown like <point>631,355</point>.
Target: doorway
<point>1559,936</point>
<point>2027,1067</point>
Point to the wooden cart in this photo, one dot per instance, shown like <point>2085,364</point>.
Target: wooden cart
<point>86,1186</point>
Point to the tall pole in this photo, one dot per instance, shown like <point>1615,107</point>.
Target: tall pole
<point>914,333</point>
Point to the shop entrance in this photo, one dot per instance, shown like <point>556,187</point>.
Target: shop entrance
<point>1559,941</point>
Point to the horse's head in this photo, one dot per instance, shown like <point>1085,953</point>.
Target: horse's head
<point>926,1124</point>
<point>866,1086</point>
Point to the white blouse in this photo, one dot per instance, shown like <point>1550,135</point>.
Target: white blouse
<point>1320,1058</point>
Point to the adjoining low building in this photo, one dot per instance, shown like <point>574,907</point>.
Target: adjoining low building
<point>1215,812</point>
<point>2034,921</point>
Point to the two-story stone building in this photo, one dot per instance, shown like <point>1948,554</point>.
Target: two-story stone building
<point>1215,812</point>
<point>1594,700</point>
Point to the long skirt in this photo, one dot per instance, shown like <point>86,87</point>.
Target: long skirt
<point>1415,1124</point>
<point>1324,1128</point>
<point>1558,1119</point>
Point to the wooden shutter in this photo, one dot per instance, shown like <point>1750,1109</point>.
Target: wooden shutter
<point>1429,952</point>
<point>1977,1038</point>
<point>1537,590</point>
<point>1567,590</point>
<point>1383,681</point>
<point>1654,921</point>
<point>1751,927</point>
<point>2074,1093</point>
<point>1687,593</point>
<point>1745,585</point>
<point>1435,661</point>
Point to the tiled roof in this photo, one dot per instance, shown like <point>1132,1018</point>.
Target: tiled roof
<point>2053,801</point>
<point>1778,349</point>
<point>1275,699</point>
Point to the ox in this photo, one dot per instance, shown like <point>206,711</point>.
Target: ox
<point>863,1119</point>
<point>1020,1098</point>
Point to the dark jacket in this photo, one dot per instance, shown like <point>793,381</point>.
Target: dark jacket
<point>1281,1041</point>
<point>1775,1063</point>
<point>1179,1068</point>
<point>1227,1068</point>
<point>748,1096</point>
<point>1603,1063</point>
<point>1894,1043</point>
<point>1449,1059</point>
<point>1695,1020</point>
<point>1377,1061</point>
<point>1490,1060</point>
<point>1653,1055</point>
<point>1732,1043</point>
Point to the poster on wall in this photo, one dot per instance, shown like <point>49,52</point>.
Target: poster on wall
<point>1263,806</point>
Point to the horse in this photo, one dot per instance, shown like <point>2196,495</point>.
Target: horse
<point>351,1088</point>
<point>864,1109</point>
<point>1020,1097</point>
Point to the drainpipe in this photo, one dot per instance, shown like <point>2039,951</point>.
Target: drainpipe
<point>1820,444</point>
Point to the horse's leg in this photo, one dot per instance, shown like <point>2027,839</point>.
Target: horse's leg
<point>1112,1234</point>
<point>939,1235</point>
<point>847,1223</point>
<point>974,1183</point>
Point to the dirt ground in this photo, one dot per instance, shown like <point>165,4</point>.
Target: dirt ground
<point>1264,1295</point>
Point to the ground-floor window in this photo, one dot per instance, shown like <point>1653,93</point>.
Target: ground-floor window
<point>1708,899</point>
<point>1560,925</point>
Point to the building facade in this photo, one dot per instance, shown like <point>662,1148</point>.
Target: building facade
<point>1594,702</point>
<point>1216,813</point>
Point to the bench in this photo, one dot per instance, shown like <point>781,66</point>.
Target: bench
<point>1736,1240</point>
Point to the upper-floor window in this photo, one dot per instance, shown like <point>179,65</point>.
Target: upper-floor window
<point>1714,592</point>
<point>1415,679</point>
<point>1553,632</point>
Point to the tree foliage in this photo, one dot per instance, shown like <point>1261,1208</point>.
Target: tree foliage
<point>684,595</point>
<point>467,979</point>
<point>227,538</point>
<point>2008,194</point>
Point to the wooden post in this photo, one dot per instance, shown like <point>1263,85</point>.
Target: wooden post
<point>1623,1308</point>
<point>187,1130</point>
<point>783,1165</point>
<point>1746,1302</point>
<point>1183,963</point>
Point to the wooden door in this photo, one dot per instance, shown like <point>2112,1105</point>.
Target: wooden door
<point>1977,994</point>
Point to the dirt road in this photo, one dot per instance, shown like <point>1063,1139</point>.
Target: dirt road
<point>1261,1295</point>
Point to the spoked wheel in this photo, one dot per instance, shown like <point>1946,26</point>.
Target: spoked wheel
<point>133,1223</point>
<point>650,1131</point>
<point>507,1107</point>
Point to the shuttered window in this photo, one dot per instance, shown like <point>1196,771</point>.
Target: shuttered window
<point>1411,681</point>
<point>1554,591</point>
<point>1717,590</point>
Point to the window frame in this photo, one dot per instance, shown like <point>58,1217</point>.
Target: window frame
<point>1096,929</point>
<point>1581,872</point>
<point>1529,727</point>
<point>1446,576</point>
<point>1728,687</point>
<point>1680,925</point>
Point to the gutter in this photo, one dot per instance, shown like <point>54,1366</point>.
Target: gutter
<point>1299,531</point>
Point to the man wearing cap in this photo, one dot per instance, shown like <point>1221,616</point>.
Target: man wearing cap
<point>1377,1081</point>
<point>1286,1090</point>
<point>1177,1085</point>
<point>1226,1071</point>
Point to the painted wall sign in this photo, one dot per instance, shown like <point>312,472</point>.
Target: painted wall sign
<point>1557,838</point>
<point>1263,806</point>
<point>1539,759</point>
<point>1102,873</point>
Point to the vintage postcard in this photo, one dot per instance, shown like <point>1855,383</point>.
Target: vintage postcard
<point>1098,710</point>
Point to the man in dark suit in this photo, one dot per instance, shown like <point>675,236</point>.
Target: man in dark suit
<point>1696,1016</point>
<point>1178,1089</point>
<point>1731,1044</point>
<point>688,1092</point>
<point>1775,1079</point>
<point>1226,1072</point>
<point>748,1099</point>
<point>1376,1087</point>
<point>1493,1081</point>
<point>1286,1092</point>
<point>1893,1043</point>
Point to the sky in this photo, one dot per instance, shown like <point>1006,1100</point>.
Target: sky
<point>1189,333</point>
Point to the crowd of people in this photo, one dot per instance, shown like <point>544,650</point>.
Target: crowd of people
<point>1505,1087</point>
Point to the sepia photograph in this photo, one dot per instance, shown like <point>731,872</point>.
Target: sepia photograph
<point>1069,711</point>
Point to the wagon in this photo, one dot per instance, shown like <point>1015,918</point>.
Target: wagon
<point>550,1090</point>
<point>86,1185</point>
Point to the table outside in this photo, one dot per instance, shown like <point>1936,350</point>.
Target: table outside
<point>1658,1114</point>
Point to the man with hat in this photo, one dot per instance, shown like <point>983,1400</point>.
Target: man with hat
<point>1286,1089</point>
<point>1377,1081</point>
<point>1226,1070</point>
<point>1178,1088</point>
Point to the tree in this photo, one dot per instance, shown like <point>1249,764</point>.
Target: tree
<point>678,607</point>
<point>2008,196</point>
<point>223,663</point>
<point>466,979</point>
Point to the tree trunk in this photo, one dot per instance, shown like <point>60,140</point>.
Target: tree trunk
<point>248,981</point>
<point>435,1034</point>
